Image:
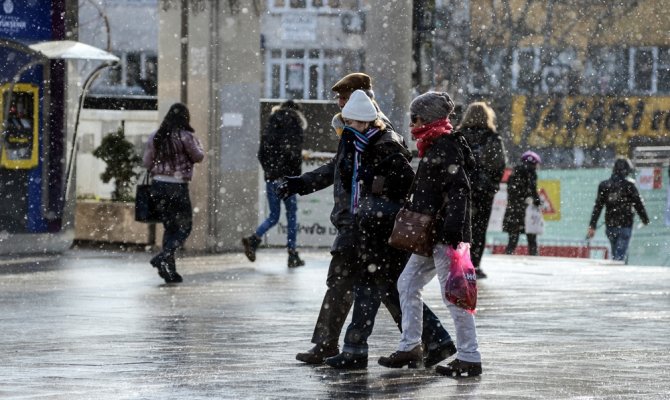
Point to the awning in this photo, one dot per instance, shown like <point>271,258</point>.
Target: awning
<point>71,50</point>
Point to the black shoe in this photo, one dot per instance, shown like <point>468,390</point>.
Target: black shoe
<point>458,368</point>
<point>346,360</point>
<point>317,354</point>
<point>160,263</point>
<point>412,358</point>
<point>440,353</point>
<point>250,245</point>
<point>171,275</point>
<point>294,260</point>
<point>480,273</point>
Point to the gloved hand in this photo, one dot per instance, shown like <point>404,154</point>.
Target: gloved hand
<point>453,239</point>
<point>287,186</point>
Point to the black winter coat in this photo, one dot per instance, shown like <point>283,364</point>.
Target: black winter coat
<point>385,174</point>
<point>522,184</point>
<point>619,196</point>
<point>490,159</point>
<point>280,151</point>
<point>441,187</point>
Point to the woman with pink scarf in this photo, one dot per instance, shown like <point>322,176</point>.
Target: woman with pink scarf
<point>440,189</point>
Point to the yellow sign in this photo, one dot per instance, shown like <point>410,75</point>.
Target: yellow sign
<point>558,121</point>
<point>19,127</point>
<point>550,194</point>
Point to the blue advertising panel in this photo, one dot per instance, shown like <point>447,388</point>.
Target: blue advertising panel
<point>25,20</point>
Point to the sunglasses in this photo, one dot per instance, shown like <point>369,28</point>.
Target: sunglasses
<point>413,118</point>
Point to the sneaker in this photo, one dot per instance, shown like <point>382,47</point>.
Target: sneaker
<point>439,354</point>
<point>346,360</point>
<point>458,368</point>
<point>480,273</point>
<point>250,244</point>
<point>412,358</point>
<point>294,260</point>
<point>317,354</point>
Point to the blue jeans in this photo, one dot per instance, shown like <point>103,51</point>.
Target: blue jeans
<point>274,203</point>
<point>619,237</point>
<point>176,214</point>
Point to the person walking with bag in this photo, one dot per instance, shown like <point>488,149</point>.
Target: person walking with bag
<point>521,192</point>
<point>619,196</point>
<point>170,155</point>
<point>478,127</point>
<point>442,171</point>
<point>377,170</point>
<point>280,154</point>
<point>341,278</point>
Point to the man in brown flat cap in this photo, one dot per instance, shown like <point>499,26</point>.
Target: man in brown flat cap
<point>342,275</point>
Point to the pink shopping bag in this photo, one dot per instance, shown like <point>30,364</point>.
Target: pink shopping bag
<point>461,286</point>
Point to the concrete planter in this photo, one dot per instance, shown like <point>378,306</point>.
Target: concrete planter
<point>111,222</point>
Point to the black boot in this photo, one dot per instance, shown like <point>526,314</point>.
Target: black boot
<point>412,358</point>
<point>458,368</point>
<point>250,245</point>
<point>159,262</point>
<point>294,260</point>
<point>318,353</point>
<point>480,273</point>
<point>440,353</point>
<point>172,276</point>
<point>346,360</point>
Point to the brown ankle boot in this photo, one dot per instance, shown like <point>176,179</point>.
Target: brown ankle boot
<point>412,358</point>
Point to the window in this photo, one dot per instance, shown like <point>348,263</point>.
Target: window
<point>663,71</point>
<point>606,71</point>
<point>301,73</point>
<point>525,70</point>
<point>136,74</point>
<point>486,67</point>
<point>642,70</point>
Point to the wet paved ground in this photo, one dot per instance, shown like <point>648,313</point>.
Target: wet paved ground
<point>100,325</point>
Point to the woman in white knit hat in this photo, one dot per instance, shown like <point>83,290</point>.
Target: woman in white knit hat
<point>377,172</point>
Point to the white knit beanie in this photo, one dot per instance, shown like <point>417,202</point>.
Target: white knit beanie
<point>359,108</point>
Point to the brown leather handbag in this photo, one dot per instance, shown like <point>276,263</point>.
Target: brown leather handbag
<point>413,232</point>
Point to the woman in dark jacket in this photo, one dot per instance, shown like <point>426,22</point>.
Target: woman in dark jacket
<point>169,156</point>
<point>376,167</point>
<point>441,189</point>
<point>280,154</point>
<point>521,191</point>
<point>478,127</point>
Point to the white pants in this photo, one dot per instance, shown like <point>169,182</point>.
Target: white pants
<point>417,273</point>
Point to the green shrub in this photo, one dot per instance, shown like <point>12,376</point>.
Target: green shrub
<point>122,162</point>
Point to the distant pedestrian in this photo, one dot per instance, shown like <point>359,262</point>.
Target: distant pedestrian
<point>440,189</point>
<point>619,196</point>
<point>478,127</point>
<point>169,156</point>
<point>521,192</point>
<point>280,154</point>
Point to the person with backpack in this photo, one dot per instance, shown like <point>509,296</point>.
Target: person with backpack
<point>478,127</point>
<point>280,154</point>
<point>619,196</point>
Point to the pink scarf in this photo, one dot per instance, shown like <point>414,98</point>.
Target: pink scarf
<point>426,134</point>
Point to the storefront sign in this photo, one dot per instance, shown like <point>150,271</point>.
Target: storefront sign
<point>27,20</point>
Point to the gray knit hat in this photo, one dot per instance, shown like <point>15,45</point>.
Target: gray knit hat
<point>432,106</point>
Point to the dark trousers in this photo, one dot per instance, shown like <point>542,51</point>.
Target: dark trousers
<point>514,239</point>
<point>482,203</point>
<point>176,214</point>
<point>376,283</point>
<point>343,274</point>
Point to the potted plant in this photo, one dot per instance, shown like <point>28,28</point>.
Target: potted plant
<point>114,221</point>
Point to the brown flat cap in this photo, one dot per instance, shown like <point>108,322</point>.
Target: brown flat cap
<point>351,82</point>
